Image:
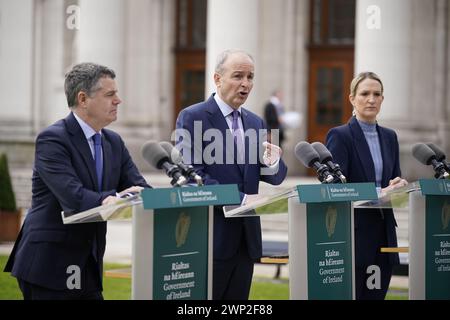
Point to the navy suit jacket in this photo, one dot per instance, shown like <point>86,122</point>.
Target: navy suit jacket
<point>64,179</point>
<point>350,150</point>
<point>228,233</point>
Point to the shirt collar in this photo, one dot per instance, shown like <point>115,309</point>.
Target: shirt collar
<point>225,108</point>
<point>367,127</point>
<point>87,130</point>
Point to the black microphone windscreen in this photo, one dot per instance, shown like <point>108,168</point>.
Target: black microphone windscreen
<point>306,154</point>
<point>174,154</point>
<point>423,153</point>
<point>440,155</point>
<point>324,153</point>
<point>153,153</point>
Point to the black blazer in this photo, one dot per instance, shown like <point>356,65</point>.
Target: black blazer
<point>350,150</point>
<point>272,122</point>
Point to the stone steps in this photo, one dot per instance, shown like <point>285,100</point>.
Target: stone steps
<point>21,181</point>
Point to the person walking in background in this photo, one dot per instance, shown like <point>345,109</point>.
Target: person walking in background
<point>237,241</point>
<point>368,152</point>
<point>273,115</point>
<point>78,165</point>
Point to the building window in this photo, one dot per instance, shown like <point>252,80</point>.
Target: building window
<point>333,22</point>
<point>331,63</point>
<point>191,24</point>
<point>190,53</point>
<point>329,96</point>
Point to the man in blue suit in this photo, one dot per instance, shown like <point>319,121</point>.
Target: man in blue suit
<point>78,165</point>
<point>234,159</point>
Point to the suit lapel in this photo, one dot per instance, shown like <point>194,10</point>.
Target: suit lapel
<point>362,150</point>
<point>216,117</point>
<point>80,142</point>
<point>218,121</point>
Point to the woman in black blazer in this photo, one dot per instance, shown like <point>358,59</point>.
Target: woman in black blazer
<point>368,152</point>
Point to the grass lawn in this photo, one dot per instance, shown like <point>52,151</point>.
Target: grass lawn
<point>9,290</point>
<point>120,289</point>
<point>114,289</point>
<point>280,206</point>
<point>269,289</point>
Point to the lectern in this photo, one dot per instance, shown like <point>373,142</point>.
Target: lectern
<point>172,238</point>
<point>428,202</point>
<point>321,249</point>
<point>429,241</point>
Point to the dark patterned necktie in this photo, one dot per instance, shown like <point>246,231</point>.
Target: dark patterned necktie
<point>238,138</point>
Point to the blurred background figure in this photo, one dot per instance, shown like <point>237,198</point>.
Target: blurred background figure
<point>273,115</point>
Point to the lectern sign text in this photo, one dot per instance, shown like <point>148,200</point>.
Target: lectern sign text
<point>337,192</point>
<point>437,247</point>
<point>190,196</point>
<point>329,250</point>
<point>180,254</point>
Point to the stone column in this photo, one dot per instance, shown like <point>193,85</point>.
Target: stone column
<point>283,61</point>
<point>101,35</point>
<point>16,65</point>
<point>442,90</point>
<point>50,102</point>
<point>147,42</point>
<point>141,86</point>
<point>397,40</point>
<point>147,90</point>
<point>383,45</point>
<point>232,24</point>
<point>16,86</point>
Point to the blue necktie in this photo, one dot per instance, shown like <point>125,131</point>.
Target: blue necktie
<point>98,158</point>
<point>238,138</point>
<point>99,170</point>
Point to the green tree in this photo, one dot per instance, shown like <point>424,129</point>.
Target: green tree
<point>7,197</point>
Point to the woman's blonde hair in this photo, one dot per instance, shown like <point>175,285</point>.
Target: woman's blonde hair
<point>363,76</point>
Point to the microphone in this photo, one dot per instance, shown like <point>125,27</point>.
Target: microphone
<point>440,155</point>
<point>426,156</point>
<point>310,158</point>
<point>177,159</point>
<point>158,158</point>
<point>327,159</point>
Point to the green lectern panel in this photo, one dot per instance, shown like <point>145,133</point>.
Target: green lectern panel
<point>336,192</point>
<point>212,195</point>
<point>435,187</point>
<point>437,247</point>
<point>329,251</point>
<point>180,263</point>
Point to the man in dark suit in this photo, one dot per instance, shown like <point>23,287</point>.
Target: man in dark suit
<point>273,111</point>
<point>233,159</point>
<point>78,165</point>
